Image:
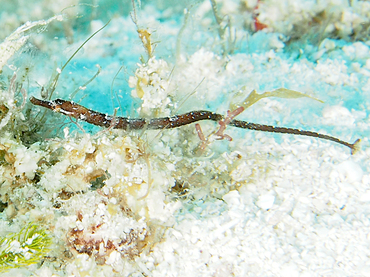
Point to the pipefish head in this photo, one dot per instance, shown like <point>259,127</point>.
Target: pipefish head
<point>60,106</point>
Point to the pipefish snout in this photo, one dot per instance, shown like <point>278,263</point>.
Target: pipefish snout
<point>79,112</point>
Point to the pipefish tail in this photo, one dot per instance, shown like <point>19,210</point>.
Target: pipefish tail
<point>79,112</point>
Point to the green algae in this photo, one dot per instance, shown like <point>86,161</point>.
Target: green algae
<point>24,248</point>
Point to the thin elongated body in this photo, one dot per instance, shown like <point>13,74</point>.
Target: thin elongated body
<point>79,112</point>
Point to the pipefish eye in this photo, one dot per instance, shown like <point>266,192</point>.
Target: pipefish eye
<point>59,101</point>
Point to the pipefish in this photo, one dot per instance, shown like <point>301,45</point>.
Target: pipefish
<point>79,112</point>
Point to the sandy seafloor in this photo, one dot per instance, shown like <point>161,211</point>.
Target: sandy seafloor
<point>149,203</point>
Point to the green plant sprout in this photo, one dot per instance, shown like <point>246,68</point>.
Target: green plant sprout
<point>24,248</point>
<point>253,97</point>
